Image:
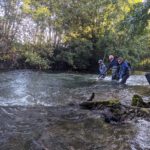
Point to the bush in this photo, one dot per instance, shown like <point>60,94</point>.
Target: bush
<point>145,64</point>
<point>35,60</point>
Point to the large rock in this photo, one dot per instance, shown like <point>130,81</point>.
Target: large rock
<point>138,101</point>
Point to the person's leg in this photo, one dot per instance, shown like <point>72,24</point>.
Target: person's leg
<point>147,75</point>
<point>114,74</point>
<point>117,75</point>
<point>124,79</point>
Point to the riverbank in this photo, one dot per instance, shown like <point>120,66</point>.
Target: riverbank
<point>135,72</point>
<point>10,66</point>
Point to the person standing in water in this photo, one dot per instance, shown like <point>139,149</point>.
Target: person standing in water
<point>147,75</point>
<point>124,70</point>
<point>114,65</point>
<point>102,69</point>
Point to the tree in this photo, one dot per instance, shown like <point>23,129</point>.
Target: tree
<point>10,21</point>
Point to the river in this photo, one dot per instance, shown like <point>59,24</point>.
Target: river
<point>39,110</point>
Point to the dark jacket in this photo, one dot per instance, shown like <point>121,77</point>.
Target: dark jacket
<point>113,64</point>
<point>123,69</point>
<point>147,75</point>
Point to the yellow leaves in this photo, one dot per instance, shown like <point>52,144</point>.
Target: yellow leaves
<point>35,8</point>
<point>42,11</point>
<point>87,29</point>
<point>126,7</point>
<point>146,61</point>
<point>134,1</point>
<point>74,34</point>
<point>27,1</point>
<point>70,36</point>
<point>26,6</point>
<point>5,57</point>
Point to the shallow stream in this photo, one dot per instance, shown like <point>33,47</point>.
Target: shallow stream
<point>40,110</point>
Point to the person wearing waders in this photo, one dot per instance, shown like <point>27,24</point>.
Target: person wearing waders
<point>124,70</point>
<point>102,69</point>
<point>114,65</point>
<point>147,75</point>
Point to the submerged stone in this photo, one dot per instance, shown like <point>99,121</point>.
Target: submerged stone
<point>138,102</point>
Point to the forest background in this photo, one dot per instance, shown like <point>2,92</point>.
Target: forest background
<point>73,34</point>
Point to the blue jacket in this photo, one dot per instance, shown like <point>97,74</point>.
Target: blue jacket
<point>124,69</point>
<point>112,64</point>
<point>102,69</point>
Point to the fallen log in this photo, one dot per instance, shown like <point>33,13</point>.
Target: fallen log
<point>113,110</point>
<point>99,104</point>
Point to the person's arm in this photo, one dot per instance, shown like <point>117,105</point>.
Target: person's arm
<point>109,66</point>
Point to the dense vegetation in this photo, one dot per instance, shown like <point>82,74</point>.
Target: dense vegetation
<point>72,34</point>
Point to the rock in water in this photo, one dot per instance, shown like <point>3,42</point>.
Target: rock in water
<point>114,112</point>
<point>110,116</point>
<point>91,97</point>
<point>147,75</point>
<point>138,102</point>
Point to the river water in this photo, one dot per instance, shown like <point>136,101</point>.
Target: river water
<point>40,110</point>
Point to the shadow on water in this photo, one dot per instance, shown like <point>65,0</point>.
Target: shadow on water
<point>35,114</point>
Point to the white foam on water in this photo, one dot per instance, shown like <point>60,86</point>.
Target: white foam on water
<point>50,89</point>
<point>27,100</point>
<point>143,134</point>
<point>137,80</point>
<point>132,80</point>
